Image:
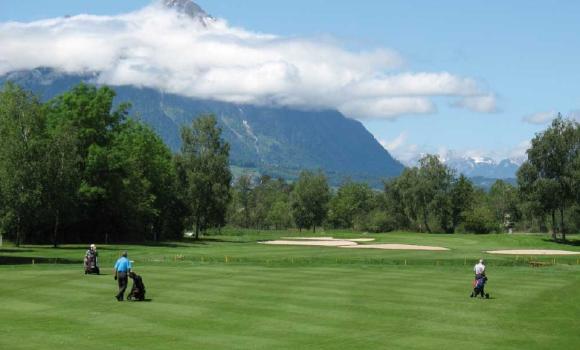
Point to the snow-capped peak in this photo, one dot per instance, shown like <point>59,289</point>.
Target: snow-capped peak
<point>476,165</point>
<point>190,9</point>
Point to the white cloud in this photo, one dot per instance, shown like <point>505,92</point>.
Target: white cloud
<point>157,48</point>
<point>401,150</point>
<point>518,153</point>
<point>417,84</point>
<point>386,107</point>
<point>408,154</point>
<point>481,103</point>
<point>393,145</point>
<point>540,117</point>
<point>574,115</point>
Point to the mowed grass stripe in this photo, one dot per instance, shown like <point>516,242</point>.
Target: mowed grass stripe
<point>334,299</point>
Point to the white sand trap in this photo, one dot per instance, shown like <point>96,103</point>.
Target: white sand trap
<point>330,239</point>
<point>320,243</point>
<point>533,252</point>
<point>310,238</point>
<point>396,247</point>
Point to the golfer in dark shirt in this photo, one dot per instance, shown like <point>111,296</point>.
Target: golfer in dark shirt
<point>121,271</point>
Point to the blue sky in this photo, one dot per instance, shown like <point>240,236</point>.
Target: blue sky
<point>526,53</point>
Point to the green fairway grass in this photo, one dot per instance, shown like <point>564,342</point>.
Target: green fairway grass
<point>229,292</point>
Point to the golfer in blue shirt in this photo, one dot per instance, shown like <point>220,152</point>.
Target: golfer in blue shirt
<point>121,272</point>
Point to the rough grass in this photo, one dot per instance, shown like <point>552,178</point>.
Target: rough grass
<point>231,293</point>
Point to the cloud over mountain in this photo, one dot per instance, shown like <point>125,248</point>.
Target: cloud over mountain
<point>480,103</point>
<point>163,49</point>
<point>540,117</point>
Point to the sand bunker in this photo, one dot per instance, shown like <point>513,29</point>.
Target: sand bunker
<point>311,238</point>
<point>330,239</point>
<point>396,247</point>
<point>348,243</point>
<point>321,243</point>
<point>533,252</point>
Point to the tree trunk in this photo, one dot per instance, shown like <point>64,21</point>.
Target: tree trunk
<point>197,229</point>
<point>425,221</point>
<point>18,231</point>
<point>55,232</point>
<point>562,228</point>
<point>542,224</point>
<point>554,236</point>
<point>314,228</point>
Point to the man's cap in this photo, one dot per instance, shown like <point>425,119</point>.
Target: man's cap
<point>125,254</point>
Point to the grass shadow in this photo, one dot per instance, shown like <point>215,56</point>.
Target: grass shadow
<point>81,248</point>
<point>221,240</point>
<point>29,260</point>
<point>161,244</point>
<point>15,250</point>
<point>572,243</point>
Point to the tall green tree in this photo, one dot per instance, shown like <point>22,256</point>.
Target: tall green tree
<point>394,205</point>
<point>461,200</point>
<point>61,179</point>
<point>432,192</point>
<point>22,133</point>
<point>279,214</point>
<point>309,200</point>
<point>548,176</point>
<point>147,198</point>
<point>203,173</point>
<point>403,198</point>
<point>351,202</point>
<point>88,114</point>
<point>503,201</point>
<point>243,201</point>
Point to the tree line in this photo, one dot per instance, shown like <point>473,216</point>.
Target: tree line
<point>430,197</point>
<point>78,168</point>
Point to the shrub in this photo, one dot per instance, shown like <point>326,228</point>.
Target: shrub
<point>376,221</point>
<point>480,220</point>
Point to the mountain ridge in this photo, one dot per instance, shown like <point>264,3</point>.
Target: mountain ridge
<point>188,8</point>
<point>477,167</point>
<point>277,141</point>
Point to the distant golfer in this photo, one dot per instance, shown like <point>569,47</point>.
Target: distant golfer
<point>479,269</point>
<point>480,280</point>
<point>91,260</point>
<point>121,271</point>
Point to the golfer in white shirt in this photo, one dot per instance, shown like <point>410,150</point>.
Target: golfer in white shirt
<point>479,269</point>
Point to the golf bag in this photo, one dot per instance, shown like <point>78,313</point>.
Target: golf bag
<point>479,286</point>
<point>90,263</point>
<point>138,290</point>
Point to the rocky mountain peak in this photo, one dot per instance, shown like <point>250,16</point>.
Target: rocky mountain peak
<point>186,7</point>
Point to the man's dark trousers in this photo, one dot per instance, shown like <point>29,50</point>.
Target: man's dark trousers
<point>123,280</point>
